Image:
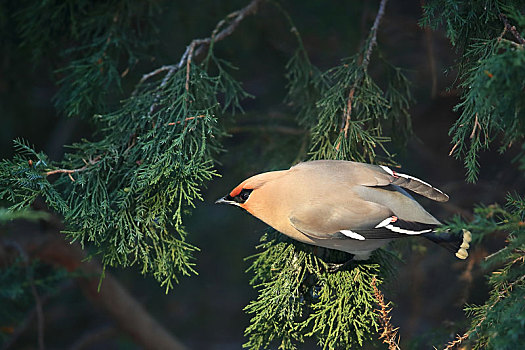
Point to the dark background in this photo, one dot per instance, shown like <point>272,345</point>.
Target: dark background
<point>206,311</point>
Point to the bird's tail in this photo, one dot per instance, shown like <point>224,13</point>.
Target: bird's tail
<point>457,245</point>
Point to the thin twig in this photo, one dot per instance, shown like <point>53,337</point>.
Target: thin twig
<point>187,119</point>
<point>364,64</point>
<point>511,29</point>
<point>153,73</point>
<point>348,110</point>
<point>389,333</point>
<point>373,33</point>
<point>453,149</point>
<point>188,66</point>
<point>39,313</point>
<point>475,127</point>
<point>71,171</point>
<point>459,339</point>
<point>196,47</point>
<point>202,44</point>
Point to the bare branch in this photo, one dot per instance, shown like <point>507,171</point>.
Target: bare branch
<point>511,29</point>
<point>187,119</point>
<point>459,339</point>
<point>71,171</point>
<point>364,64</point>
<point>373,33</point>
<point>389,333</point>
<point>200,45</point>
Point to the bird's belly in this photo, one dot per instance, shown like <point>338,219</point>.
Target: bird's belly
<point>361,249</point>
<point>358,248</point>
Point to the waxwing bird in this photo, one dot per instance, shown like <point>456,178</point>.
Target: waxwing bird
<point>343,205</point>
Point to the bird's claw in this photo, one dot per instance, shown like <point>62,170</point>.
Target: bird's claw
<point>333,268</point>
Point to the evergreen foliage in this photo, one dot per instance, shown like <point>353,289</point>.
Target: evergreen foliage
<point>344,108</point>
<point>98,44</point>
<point>301,297</point>
<point>124,195</point>
<point>499,323</point>
<point>491,74</point>
<point>491,78</point>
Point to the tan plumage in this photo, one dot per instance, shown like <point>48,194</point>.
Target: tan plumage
<point>348,206</point>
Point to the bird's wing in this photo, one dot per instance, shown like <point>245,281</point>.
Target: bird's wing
<point>365,220</point>
<point>380,175</point>
<point>354,173</point>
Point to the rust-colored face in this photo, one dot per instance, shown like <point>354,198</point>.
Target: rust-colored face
<point>240,195</point>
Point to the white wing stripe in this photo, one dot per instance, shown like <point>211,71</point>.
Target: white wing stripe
<point>408,232</point>
<point>384,222</point>
<point>352,234</point>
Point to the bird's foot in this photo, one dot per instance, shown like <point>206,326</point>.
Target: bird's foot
<point>333,268</point>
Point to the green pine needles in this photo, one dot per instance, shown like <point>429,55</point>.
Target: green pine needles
<point>98,44</point>
<point>493,61</point>
<point>344,108</point>
<point>498,323</point>
<point>302,296</point>
<point>126,194</point>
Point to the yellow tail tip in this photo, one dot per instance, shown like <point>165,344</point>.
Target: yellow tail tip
<point>462,252</point>
<point>467,236</point>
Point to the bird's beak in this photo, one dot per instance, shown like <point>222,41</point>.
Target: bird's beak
<point>227,200</point>
<point>222,200</point>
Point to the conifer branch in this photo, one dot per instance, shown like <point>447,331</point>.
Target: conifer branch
<point>364,65</point>
<point>197,46</point>
<point>389,333</point>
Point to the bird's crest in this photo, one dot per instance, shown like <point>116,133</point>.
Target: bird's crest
<point>256,181</point>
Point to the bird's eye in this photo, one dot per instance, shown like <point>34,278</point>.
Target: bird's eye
<point>244,195</point>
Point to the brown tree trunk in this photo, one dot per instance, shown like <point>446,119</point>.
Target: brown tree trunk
<point>130,316</point>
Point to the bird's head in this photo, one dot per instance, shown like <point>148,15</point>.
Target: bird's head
<point>250,191</point>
